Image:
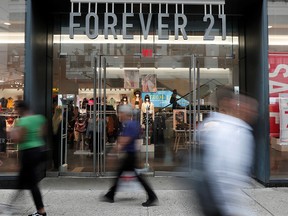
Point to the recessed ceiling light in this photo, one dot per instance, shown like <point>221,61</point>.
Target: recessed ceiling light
<point>269,26</point>
<point>7,23</point>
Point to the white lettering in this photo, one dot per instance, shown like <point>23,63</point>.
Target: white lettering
<point>96,25</point>
<point>277,70</point>
<point>161,26</point>
<point>111,25</point>
<point>125,25</point>
<point>72,24</point>
<point>277,87</point>
<point>181,27</point>
<point>145,29</point>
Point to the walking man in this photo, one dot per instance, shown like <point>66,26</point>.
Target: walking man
<point>126,143</point>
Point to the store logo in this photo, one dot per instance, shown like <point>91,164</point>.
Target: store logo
<point>110,19</point>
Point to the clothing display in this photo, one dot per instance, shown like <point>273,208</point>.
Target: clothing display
<point>136,103</point>
<point>137,100</point>
<point>10,103</point>
<point>112,102</point>
<point>158,128</point>
<point>84,103</point>
<point>3,134</point>
<point>7,122</point>
<point>3,102</point>
<point>147,108</point>
<point>147,113</point>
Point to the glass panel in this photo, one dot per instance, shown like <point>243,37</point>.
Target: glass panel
<point>154,67</point>
<point>278,66</point>
<point>12,27</point>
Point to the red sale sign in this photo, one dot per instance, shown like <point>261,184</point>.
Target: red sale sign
<point>278,74</point>
<point>278,83</point>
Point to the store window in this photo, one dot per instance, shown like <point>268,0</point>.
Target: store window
<point>278,87</point>
<point>12,54</point>
<point>152,68</point>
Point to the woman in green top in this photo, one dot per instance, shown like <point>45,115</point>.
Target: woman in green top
<point>28,133</point>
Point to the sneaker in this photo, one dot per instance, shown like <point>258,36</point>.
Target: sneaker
<point>38,214</point>
<point>106,198</point>
<point>150,202</point>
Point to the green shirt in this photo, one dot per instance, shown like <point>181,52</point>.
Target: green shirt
<point>33,125</point>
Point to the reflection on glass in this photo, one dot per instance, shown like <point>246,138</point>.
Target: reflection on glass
<point>12,28</point>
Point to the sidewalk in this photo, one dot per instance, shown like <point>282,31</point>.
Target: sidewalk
<point>80,196</point>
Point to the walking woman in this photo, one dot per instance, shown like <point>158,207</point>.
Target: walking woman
<point>28,133</point>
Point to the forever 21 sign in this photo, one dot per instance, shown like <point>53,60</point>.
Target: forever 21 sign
<point>111,21</point>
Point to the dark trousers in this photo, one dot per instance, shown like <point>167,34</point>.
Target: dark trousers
<point>129,164</point>
<point>29,174</point>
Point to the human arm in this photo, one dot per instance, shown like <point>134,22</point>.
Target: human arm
<point>18,134</point>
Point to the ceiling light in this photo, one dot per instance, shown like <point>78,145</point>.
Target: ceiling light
<point>7,23</point>
<point>269,26</point>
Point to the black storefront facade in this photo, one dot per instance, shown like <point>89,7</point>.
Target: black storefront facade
<point>44,19</point>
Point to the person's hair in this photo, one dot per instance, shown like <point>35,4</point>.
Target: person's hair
<point>147,96</point>
<point>224,92</point>
<point>137,92</point>
<point>127,109</point>
<point>21,105</point>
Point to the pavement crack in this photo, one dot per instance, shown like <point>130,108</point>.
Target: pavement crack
<point>258,203</point>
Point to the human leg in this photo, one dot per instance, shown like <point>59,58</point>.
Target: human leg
<point>33,179</point>
<point>126,165</point>
<point>37,197</point>
<point>152,197</point>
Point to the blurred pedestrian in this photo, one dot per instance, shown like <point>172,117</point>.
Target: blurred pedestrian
<point>126,143</point>
<point>228,145</point>
<point>28,133</point>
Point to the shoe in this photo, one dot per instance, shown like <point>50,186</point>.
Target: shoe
<point>38,214</point>
<point>150,202</point>
<point>106,198</point>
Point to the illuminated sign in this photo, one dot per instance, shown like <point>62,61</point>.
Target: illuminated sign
<point>161,99</point>
<point>110,20</point>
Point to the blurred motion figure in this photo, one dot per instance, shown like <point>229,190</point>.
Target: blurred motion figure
<point>28,133</point>
<point>126,144</point>
<point>227,145</point>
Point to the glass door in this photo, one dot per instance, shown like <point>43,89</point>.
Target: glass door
<point>167,142</point>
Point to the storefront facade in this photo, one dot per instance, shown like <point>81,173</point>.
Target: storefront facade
<point>106,52</point>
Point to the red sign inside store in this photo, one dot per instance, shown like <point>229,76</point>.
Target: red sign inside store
<point>278,83</point>
<point>147,52</point>
<point>278,74</point>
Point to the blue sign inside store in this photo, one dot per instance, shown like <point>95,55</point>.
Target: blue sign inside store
<point>161,99</point>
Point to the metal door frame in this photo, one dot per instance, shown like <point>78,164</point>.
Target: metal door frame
<point>194,100</point>
<point>99,81</point>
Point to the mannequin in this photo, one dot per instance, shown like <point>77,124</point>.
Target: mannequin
<point>147,108</point>
<point>137,105</point>
<point>137,100</point>
<point>124,100</point>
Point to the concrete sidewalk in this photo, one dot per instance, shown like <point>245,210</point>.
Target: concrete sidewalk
<point>81,196</point>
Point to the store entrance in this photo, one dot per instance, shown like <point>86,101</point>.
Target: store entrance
<point>168,142</point>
